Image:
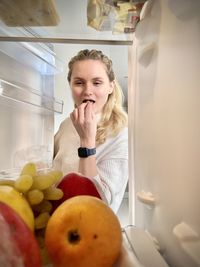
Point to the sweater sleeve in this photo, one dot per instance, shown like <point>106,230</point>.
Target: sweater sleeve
<point>112,166</point>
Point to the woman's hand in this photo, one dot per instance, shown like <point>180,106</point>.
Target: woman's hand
<point>85,123</point>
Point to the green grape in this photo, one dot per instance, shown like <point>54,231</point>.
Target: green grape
<point>44,206</point>
<point>29,168</point>
<point>42,181</point>
<point>23,183</point>
<point>34,196</point>
<point>41,242</point>
<point>53,193</point>
<point>41,220</point>
<point>45,257</point>
<point>56,174</point>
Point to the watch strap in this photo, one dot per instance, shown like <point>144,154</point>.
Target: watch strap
<point>84,152</point>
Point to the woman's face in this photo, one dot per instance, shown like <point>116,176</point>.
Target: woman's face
<point>90,82</point>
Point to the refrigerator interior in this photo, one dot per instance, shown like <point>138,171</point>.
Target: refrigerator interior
<point>163,108</point>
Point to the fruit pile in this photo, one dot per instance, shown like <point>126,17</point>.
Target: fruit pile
<point>46,218</point>
<point>31,195</point>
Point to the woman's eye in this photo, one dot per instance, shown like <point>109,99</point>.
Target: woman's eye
<point>78,83</point>
<point>97,83</point>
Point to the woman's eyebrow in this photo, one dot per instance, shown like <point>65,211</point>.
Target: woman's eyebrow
<point>97,78</point>
<point>77,78</point>
<point>93,79</point>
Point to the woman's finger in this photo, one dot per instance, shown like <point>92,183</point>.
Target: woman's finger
<point>89,112</point>
<point>81,113</point>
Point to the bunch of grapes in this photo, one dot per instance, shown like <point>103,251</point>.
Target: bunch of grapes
<point>39,189</point>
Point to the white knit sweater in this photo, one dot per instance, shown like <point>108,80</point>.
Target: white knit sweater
<point>111,160</point>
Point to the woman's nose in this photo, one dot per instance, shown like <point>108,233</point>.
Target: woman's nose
<point>88,89</point>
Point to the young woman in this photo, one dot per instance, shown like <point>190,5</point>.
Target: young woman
<point>94,140</point>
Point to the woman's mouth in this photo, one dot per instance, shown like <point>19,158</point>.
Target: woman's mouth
<point>88,100</point>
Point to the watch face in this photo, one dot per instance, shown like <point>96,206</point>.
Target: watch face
<point>84,152</point>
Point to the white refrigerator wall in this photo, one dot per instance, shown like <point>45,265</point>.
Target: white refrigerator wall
<point>166,132</point>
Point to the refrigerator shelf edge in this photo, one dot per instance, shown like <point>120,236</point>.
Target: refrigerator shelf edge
<point>143,247</point>
<point>37,55</point>
<point>14,173</point>
<point>22,95</point>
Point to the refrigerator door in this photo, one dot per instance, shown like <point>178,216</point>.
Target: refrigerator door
<point>166,128</point>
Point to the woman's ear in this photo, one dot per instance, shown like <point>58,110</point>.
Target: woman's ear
<point>112,85</point>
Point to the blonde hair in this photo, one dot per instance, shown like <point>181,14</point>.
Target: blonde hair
<point>113,117</point>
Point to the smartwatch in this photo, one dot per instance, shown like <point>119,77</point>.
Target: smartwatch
<point>84,152</point>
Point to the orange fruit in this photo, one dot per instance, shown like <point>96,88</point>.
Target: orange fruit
<point>83,232</point>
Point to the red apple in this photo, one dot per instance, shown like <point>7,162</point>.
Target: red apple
<point>74,184</point>
<point>18,245</point>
